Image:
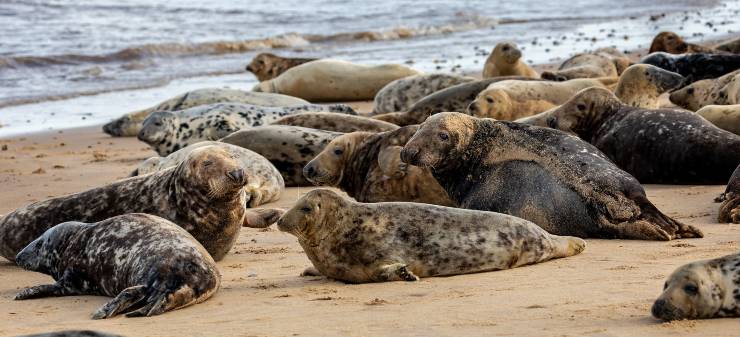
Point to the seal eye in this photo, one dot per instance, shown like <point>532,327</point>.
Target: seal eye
<point>157,124</point>
<point>581,107</point>
<point>338,152</point>
<point>690,91</point>
<point>306,209</point>
<point>691,289</point>
<point>207,163</point>
<point>505,48</point>
<point>489,100</point>
<point>443,136</point>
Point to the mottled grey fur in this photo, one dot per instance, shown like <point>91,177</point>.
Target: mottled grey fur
<point>335,122</point>
<point>402,93</point>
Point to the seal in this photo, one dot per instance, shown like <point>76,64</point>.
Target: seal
<point>641,85</point>
<point>729,210</point>
<point>289,148</point>
<point>505,60</point>
<point>264,182</point>
<point>725,117</point>
<point>130,124</point>
<point>556,180</point>
<point>695,67</point>
<point>646,142</point>
<point>602,62</point>
<point>730,46</point>
<point>454,98</point>
<point>73,333</point>
<point>400,241</point>
<point>716,91</point>
<point>329,80</point>
<point>671,43</point>
<point>702,289</point>
<point>510,100</point>
<point>402,93</point>
<point>167,132</point>
<point>368,167</point>
<point>204,195</point>
<point>266,66</point>
<point>335,122</point>
<point>148,264</point>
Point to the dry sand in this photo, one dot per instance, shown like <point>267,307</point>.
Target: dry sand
<point>605,291</point>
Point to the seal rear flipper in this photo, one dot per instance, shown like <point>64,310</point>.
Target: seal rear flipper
<point>155,305</point>
<point>128,298</point>
<point>311,271</point>
<point>566,246</point>
<point>394,272</point>
<point>262,218</point>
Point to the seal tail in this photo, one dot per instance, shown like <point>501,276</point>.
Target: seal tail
<point>566,246</point>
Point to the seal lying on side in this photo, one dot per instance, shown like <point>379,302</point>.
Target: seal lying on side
<point>725,117</point>
<point>368,167</point>
<point>335,122</point>
<point>204,195</point>
<point>641,85</point>
<point>401,94</point>
<point>661,146</point>
<point>330,80</point>
<point>454,98</point>
<point>289,148</point>
<point>717,91</point>
<point>703,289</point>
<point>559,182</point>
<point>149,264</point>
<point>167,132</point>
<point>130,124</point>
<point>509,100</point>
<point>266,66</point>
<point>729,211</point>
<point>730,46</point>
<point>602,62</point>
<point>505,60</point>
<point>696,66</point>
<point>264,182</point>
<point>671,43</point>
<point>400,241</point>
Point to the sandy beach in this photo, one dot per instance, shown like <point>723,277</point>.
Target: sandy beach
<point>605,291</point>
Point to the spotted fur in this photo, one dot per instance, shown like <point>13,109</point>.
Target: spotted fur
<point>602,62</point>
<point>717,91</point>
<point>641,85</point>
<point>400,241</point>
<point>335,122</point>
<point>401,94</point>
<point>695,67</point>
<point>149,264</point>
<point>725,117</point>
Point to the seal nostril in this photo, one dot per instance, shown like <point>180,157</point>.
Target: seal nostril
<point>657,309</point>
<point>236,175</point>
<point>309,171</point>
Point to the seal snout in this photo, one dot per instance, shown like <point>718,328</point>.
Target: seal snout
<point>410,155</point>
<point>472,108</point>
<point>237,176</point>
<point>664,310</point>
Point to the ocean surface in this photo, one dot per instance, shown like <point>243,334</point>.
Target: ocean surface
<point>67,63</point>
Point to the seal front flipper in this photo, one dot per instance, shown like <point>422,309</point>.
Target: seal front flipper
<point>389,161</point>
<point>44,290</point>
<point>394,272</point>
<point>262,218</point>
<point>311,271</point>
<point>125,300</point>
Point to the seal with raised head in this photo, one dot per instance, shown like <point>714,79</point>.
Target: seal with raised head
<point>204,194</point>
<point>715,91</point>
<point>130,124</point>
<point>148,264</point>
<point>506,60</point>
<point>602,62</point>
<point>335,122</point>
<point>671,43</point>
<point>401,241</point>
<point>695,67</point>
<point>266,66</point>
<point>660,146</point>
<point>289,148</point>
<point>702,289</point>
<point>725,117</point>
<point>264,182</point>
<point>729,210</point>
<point>368,167</point>
<point>556,180</point>
<point>329,80</point>
<point>402,93</point>
<point>640,85</point>
<point>167,132</point>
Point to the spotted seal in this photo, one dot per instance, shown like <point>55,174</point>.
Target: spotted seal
<point>368,167</point>
<point>401,241</point>
<point>656,146</point>
<point>702,289</point>
<point>402,93</point>
<point>725,117</point>
<point>335,122</point>
<point>264,182</point>
<point>266,66</point>
<point>167,132</point>
<point>148,264</point>
<point>130,124</point>
<point>329,80</point>
<point>556,180</point>
<point>506,60</point>
<point>641,85</point>
<point>671,43</point>
<point>289,148</point>
<point>695,67</point>
<point>204,195</point>
<point>602,62</point>
<point>706,92</point>
<point>729,210</point>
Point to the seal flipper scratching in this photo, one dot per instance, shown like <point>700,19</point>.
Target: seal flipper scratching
<point>395,272</point>
<point>128,298</point>
<point>262,218</point>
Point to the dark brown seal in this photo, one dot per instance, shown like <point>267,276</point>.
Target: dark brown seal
<point>266,66</point>
<point>558,181</point>
<point>671,43</point>
<point>403,241</point>
<point>204,195</point>
<point>729,211</point>
<point>149,264</point>
<point>368,167</point>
